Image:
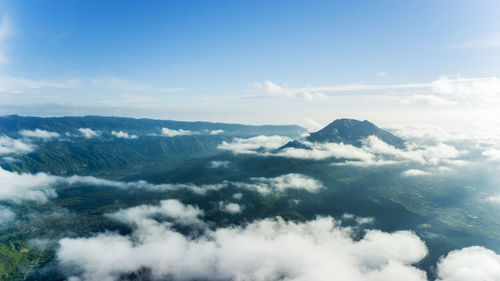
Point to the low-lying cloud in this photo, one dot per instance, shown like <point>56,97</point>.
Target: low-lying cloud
<point>231,208</point>
<point>173,133</point>
<point>88,133</point>
<point>123,135</point>
<point>13,146</point>
<point>374,151</point>
<point>281,184</point>
<point>268,249</point>
<point>42,134</point>
<point>254,145</point>
<point>40,187</point>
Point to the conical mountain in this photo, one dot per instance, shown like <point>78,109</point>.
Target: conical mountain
<point>351,131</point>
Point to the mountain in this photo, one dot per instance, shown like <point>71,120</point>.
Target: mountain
<point>11,125</point>
<point>351,131</point>
<point>348,131</point>
<point>72,153</point>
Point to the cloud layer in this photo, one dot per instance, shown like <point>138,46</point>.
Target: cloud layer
<point>268,249</point>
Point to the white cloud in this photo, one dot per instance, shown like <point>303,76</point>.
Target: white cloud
<point>254,144</point>
<point>6,215</point>
<point>414,173</point>
<point>469,90</point>
<point>364,220</point>
<point>269,249</point>
<point>282,183</point>
<point>274,90</point>
<point>231,208</point>
<point>312,125</point>
<point>374,152</point>
<point>435,133</point>
<point>123,135</point>
<point>13,146</point>
<point>173,133</point>
<point>320,151</point>
<point>88,133</point>
<point>492,154</point>
<point>469,264</point>
<point>219,164</point>
<point>237,196</point>
<point>216,132</point>
<point>172,209</point>
<point>40,187</point>
<point>42,134</point>
<point>32,187</point>
<point>443,91</point>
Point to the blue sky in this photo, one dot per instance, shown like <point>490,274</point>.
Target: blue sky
<point>284,62</point>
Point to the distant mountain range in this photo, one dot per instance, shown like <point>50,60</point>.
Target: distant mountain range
<point>12,124</point>
<point>75,154</point>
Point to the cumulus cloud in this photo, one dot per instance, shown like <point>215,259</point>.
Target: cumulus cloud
<point>13,146</point>
<point>414,173</point>
<point>282,183</point>
<point>231,208</point>
<point>171,209</point>
<point>123,135</point>
<point>42,134</point>
<point>173,133</point>
<point>472,263</point>
<point>88,133</point>
<point>254,144</point>
<point>269,249</point>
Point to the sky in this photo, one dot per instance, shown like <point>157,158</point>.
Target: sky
<point>254,62</point>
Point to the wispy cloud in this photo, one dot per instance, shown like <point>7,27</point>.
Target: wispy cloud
<point>9,84</point>
<point>320,93</point>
